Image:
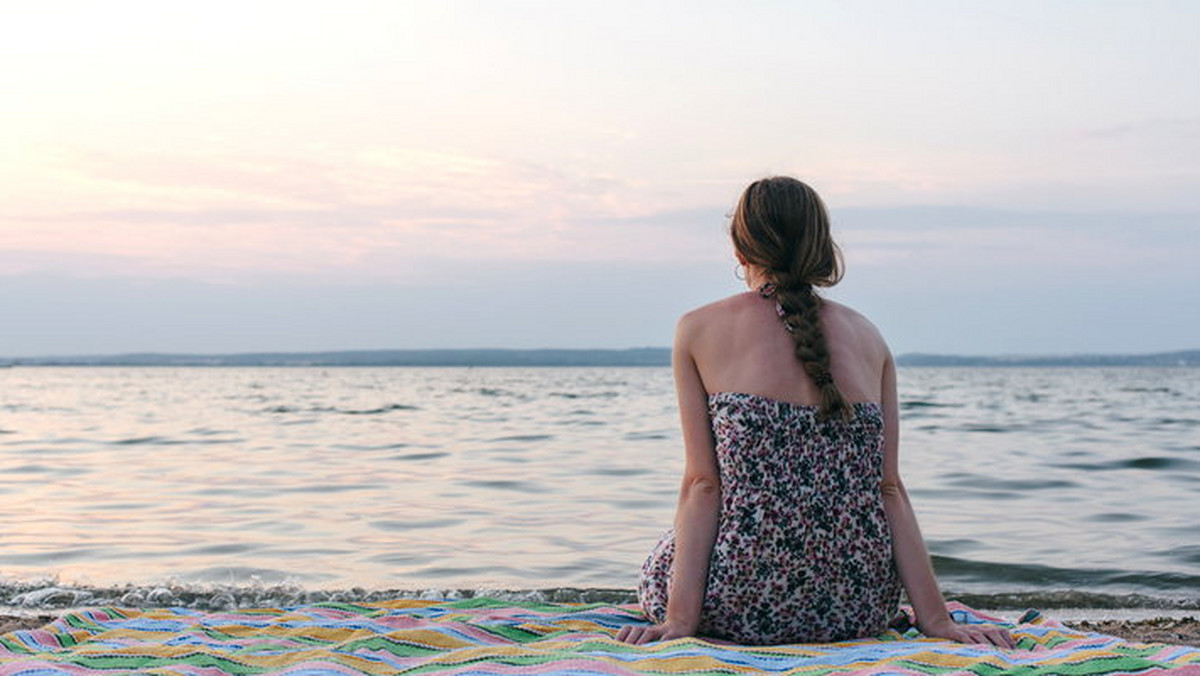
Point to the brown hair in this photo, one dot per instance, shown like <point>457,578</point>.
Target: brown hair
<point>781,225</point>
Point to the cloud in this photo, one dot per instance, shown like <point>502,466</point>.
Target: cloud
<point>980,242</point>
<point>373,212</point>
<point>392,213</point>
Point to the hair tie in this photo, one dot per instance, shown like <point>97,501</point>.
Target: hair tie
<point>766,290</point>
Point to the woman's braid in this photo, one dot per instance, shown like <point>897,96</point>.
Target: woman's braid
<point>802,317</point>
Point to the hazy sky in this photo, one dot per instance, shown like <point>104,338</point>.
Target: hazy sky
<point>235,176</point>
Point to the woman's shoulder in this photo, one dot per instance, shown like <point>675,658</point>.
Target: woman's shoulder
<point>831,309</point>
<point>719,311</point>
<point>845,324</point>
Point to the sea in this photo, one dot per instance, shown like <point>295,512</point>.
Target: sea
<point>217,487</point>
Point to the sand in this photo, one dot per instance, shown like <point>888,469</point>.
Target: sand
<point>1180,631</point>
<point>14,622</point>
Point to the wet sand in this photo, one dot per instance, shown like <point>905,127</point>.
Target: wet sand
<point>14,622</point>
<point>1180,631</point>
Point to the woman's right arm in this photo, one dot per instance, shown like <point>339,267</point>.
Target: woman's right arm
<point>698,513</point>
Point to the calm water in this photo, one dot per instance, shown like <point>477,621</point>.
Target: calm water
<point>1061,486</point>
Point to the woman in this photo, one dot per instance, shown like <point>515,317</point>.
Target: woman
<point>792,524</point>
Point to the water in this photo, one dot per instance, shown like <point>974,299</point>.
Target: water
<point>217,487</point>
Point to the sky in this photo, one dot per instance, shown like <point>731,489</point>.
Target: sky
<point>1004,178</point>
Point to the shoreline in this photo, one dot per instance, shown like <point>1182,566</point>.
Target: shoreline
<point>1177,629</point>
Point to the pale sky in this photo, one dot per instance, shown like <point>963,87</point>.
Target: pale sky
<point>1017,177</point>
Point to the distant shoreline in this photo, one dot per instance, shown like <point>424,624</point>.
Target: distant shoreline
<point>645,356</point>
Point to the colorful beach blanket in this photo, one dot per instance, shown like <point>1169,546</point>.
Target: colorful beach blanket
<point>486,636</point>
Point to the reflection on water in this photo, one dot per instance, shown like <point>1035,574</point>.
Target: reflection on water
<point>334,477</point>
<point>1025,480</point>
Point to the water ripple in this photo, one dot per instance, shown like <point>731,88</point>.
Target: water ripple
<point>1024,479</point>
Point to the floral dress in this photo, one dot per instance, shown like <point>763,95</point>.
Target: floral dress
<point>803,550</point>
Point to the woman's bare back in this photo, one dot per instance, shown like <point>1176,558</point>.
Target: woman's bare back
<point>740,345</point>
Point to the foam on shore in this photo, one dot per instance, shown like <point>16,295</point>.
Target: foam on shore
<point>20,597</point>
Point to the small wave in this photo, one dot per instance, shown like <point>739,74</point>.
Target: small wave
<point>1116,517</point>
<point>52,556</point>
<point>400,526</point>
<point>989,483</point>
<point>1186,554</point>
<point>1067,598</point>
<point>1177,421</point>
<point>1159,463</point>
<point>508,485</point>
<point>50,597</point>
<point>581,423</point>
<point>167,441</point>
<point>135,441</point>
<point>917,404</point>
<point>208,432</point>
<point>465,571</point>
<point>202,596</point>
<point>375,411</point>
<point>23,408</point>
<point>416,457</point>
<point>227,577</point>
<point>406,559</point>
<point>989,429</point>
<point>646,436</point>
<point>30,469</point>
<point>122,506</point>
<point>388,408</point>
<point>619,471</point>
<point>225,548</point>
<point>1148,462</point>
<point>331,488</point>
<point>1042,576</point>
<point>641,503</point>
<point>492,392</point>
<point>957,545</point>
<point>525,438</point>
<point>371,447</point>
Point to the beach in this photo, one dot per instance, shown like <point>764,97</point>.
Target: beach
<point>1181,631</point>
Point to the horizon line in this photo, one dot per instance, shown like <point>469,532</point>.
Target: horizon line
<point>635,356</point>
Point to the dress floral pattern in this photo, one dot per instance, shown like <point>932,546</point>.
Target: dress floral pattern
<point>803,550</point>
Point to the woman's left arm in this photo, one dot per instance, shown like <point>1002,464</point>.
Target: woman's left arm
<point>698,513</point>
<point>912,558</point>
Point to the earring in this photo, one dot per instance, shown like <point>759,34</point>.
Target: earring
<point>739,272</point>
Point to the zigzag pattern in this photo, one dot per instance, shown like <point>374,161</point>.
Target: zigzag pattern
<point>485,636</point>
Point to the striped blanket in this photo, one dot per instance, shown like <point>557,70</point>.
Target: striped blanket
<point>486,636</point>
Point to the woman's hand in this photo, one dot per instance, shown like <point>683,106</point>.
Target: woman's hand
<point>985,634</point>
<point>637,634</point>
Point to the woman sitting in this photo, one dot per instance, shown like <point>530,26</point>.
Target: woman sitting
<point>792,524</point>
